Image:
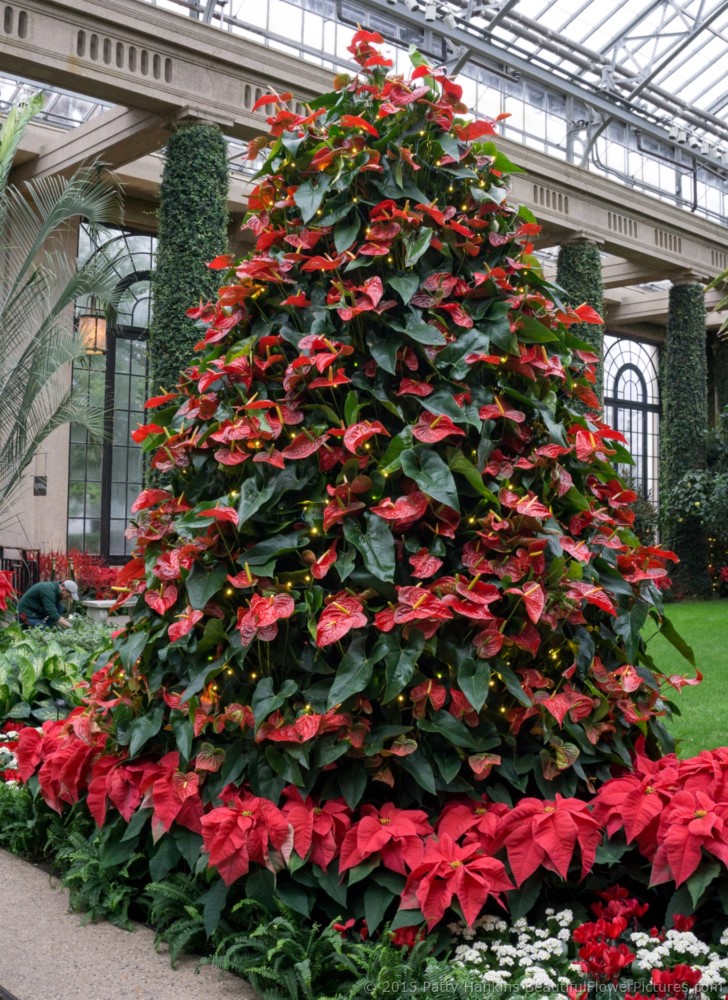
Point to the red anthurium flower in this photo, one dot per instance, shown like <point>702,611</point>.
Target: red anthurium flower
<point>302,446</point>
<point>488,643</point>
<point>209,758</point>
<point>337,510</point>
<point>450,872</point>
<point>324,263</point>
<point>433,427</point>
<point>356,121</point>
<point>424,565</point>
<point>243,579</point>
<point>320,567</point>
<point>260,620</point>
<point>318,829</point>
<point>185,624</point>
<point>409,387</point>
<point>154,401</point>
<point>404,510</point>
<point>546,833</point>
<point>150,498</point>
<point>498,410</point>
<point>241,831</point>
<point>416,604</point>
<point>427,691</point>
<point>221,263</point>
<point>161,602</point>
<point>228,514</point>
<point>476,130</point>
<point>358,434</point>
<point>580,590</point>
<point>530,505</point>
<point>143,431</point>
<point>477,591</point>
<point>534,599</point>
<point>481,764</point>
<point>267,99</point>
<point>396,834</point>
<point>339,617</point>
<point>300,300</point>
<point>331,380</point>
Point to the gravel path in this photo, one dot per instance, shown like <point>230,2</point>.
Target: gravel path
<point>46,954</point>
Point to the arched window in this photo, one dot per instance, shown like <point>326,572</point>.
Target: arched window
<point>632,406</point>
<point>105,478</point>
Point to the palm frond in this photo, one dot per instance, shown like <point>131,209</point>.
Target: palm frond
<point>38,212</point>
<point>38,341</point>
<point>11,133</point>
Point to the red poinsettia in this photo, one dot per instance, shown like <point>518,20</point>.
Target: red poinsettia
<point>318,828</point>
<point>539,833</point>
<point>396,834</point>
<point>241,831</point>
<point>449,872</point>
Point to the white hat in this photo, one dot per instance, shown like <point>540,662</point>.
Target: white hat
<point>71,588</point>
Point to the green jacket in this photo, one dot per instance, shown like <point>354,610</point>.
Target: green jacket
<point>42,600</point>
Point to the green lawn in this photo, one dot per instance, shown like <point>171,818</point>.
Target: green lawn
<point>703,724</point>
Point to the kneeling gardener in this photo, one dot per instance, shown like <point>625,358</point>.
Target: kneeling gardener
<point>42,604</point>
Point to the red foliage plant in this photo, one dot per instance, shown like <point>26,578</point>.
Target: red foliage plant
<point>387,561</point>
<point>94,578</point>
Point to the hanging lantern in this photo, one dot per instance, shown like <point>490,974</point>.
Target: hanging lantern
<point>92,327</point>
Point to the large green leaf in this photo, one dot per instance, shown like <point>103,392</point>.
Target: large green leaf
<point>204,582</point>
<point>405,284</point>
<point>253,496</point>
<point>422,332</point>
<point>416,243</point>
<point>473,680</point>
<point>431,475</point>
<point>377,900</point>
<point>459,463</point>
<point>401,666</point>
<point>308,196</point>
<point>352,675</point>
<point>346,232</point>
<point>376,545</point>
<point>142,729</point>
<point>265,700</point>
<point>384,349</point>
<point>669,632</point>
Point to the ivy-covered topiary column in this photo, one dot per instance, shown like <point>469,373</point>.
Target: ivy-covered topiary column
<point>579,273</point>
<point>193,221</point>
<point>720,372</point>
<point>684,393</point>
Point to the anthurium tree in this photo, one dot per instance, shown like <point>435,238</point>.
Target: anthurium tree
<point>389,568</point>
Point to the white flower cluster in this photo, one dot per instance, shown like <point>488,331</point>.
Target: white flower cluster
<point>8,760</point>
<point>528,958</point>
<point>682,947</point>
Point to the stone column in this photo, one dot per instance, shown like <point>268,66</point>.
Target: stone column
<point>684,394</point>
<point>579,273</point>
